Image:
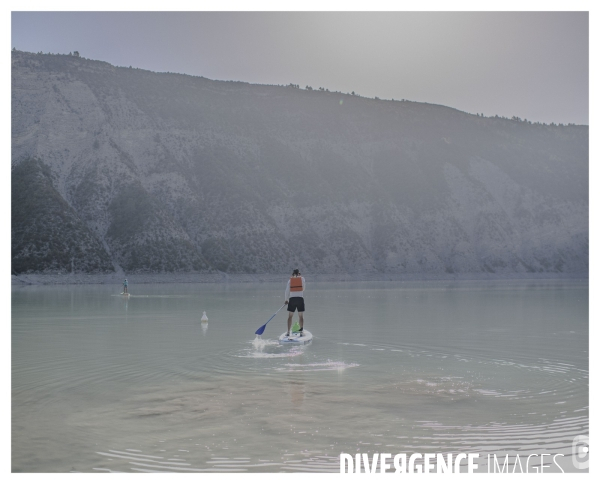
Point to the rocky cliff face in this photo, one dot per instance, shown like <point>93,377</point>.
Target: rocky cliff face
<point>154,172</point>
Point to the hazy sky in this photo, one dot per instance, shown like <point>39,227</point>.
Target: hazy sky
<point>528,64</point>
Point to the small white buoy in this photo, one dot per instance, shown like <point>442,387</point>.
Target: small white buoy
<point>204,318</point>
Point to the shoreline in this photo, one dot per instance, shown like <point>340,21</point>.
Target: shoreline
<point>208,278</point>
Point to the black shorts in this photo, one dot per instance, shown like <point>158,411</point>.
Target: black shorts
<point>296,303</point>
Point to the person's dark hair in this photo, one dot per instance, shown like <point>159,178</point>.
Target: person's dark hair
<point>296,272</point>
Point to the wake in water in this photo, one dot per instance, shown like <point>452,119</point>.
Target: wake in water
<point>327,366</point>
<point>260,344</point>
<point>268,348</point>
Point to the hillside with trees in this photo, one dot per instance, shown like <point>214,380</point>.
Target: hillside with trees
<point>116,167</point>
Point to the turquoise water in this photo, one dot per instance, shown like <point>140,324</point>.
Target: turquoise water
<point>101,383</point>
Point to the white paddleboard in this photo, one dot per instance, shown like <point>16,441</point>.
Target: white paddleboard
<point>125,295</point>
<point>295,338</point>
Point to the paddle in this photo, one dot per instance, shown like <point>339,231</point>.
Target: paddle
<point>261,330</point>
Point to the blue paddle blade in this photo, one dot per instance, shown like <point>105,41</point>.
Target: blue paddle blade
<point>262,328</point>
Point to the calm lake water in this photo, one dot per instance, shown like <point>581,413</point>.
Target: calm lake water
<point>101,383</point>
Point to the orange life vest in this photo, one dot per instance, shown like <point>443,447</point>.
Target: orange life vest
<point>295,284</point>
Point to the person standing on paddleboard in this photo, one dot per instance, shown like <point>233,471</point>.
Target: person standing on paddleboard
<point>125,287</point>
<point>294,298</point>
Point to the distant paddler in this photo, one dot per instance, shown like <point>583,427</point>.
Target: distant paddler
<point>125,283</point>
<point>294,298</point>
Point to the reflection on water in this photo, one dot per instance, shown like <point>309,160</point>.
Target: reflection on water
<point>102,383</point>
